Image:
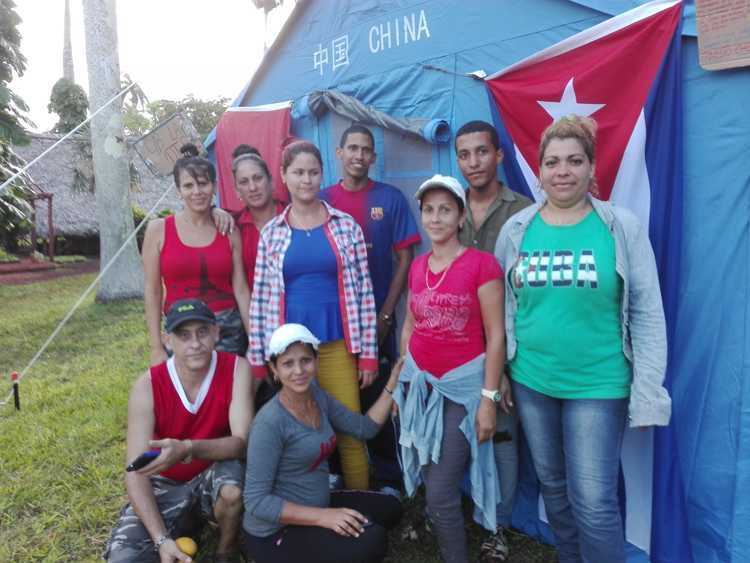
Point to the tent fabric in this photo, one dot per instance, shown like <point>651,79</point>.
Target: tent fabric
<point>423,74</point>
<point>319,102</point>
<point>263,127</point>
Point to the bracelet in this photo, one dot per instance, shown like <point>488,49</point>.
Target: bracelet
<point>189,457</point>
<point>389,391</point>
<point>386,318</point>
<point>160,541</point>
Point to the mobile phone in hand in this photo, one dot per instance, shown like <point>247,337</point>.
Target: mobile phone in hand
<point>143,460</point>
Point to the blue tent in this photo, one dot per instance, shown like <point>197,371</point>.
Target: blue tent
<point>410,59</point>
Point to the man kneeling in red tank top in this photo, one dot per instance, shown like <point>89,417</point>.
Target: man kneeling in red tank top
<point>192,412</point>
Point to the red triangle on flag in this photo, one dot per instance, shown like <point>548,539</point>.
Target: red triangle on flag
<point>608,78</point>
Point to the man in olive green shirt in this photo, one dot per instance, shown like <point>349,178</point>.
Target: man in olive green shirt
<point>490,204</point>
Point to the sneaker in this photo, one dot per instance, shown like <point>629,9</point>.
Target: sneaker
<point>495,547</point>
<point>335,482</point>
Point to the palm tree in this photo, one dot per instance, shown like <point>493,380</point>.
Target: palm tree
<point>124,279</point>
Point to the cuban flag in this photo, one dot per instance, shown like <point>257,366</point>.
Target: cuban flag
<point>625,74</point>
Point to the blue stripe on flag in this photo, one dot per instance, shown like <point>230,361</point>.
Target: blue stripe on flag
<point>663,113</point>
<point>515,178</point>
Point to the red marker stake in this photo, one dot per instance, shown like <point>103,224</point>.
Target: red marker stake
<point>16,399</point>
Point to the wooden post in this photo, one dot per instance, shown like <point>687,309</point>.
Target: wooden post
<point>33,226</point>
<point>50,229</point>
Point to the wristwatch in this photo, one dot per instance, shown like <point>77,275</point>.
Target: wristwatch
<point>160,541</point>
<point>492,394</point>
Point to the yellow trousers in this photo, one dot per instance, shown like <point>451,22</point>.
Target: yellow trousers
<point>337,375</point>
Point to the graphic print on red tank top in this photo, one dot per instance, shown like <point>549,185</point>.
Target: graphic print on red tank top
<point>196,272</point>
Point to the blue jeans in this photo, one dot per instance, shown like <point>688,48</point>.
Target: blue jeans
<point>505,446</point>
<point>575,445</point>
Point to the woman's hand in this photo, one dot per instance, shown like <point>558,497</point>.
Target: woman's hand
<point>486,420</point>
<point>506,402</point>
<point>223,220</point>
<point>343,521</point>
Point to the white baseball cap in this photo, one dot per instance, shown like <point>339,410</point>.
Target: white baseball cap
<point>289,334</point>
<point>445,182</point>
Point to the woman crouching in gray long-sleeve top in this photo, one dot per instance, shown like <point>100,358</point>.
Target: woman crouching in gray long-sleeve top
<point>290,515</point>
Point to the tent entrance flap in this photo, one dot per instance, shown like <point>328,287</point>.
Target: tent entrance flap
<point>319,102</point>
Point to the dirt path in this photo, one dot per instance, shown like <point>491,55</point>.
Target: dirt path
<point>37,275</point>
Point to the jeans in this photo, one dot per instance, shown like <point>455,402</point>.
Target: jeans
<point>575,446</point>
<point>505,446</point>
<point>442,483</point>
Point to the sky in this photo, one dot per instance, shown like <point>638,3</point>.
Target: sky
<point>172,48</point>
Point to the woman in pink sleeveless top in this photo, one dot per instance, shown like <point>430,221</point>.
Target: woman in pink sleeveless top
<point>186,257</point>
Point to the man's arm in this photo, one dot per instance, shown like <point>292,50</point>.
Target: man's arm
<point>141,422</point>
<point>404,256</point>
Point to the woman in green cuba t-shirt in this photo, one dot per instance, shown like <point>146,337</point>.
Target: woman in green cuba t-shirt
<point>586,341</point>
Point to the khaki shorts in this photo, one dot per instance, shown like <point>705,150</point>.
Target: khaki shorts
<point>177,502</point>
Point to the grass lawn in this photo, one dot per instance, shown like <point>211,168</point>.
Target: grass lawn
<point>62,455</point>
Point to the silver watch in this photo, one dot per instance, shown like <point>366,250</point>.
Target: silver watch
<point>160,541</point>
<point>492,394</point>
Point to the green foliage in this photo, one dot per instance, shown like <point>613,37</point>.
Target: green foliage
<point>6,257</point>
<point>14,205</point>
<point>204,114</point>
<point>15,209</point>
<point>70,259</point>
<point>135,122</point>
<point>68,100</point>
<point>139,215</point>
<point>12,107</point>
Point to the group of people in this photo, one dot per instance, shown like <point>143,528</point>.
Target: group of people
<point>549,313</point>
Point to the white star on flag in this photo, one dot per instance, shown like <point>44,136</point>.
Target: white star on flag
<point>568,104</point>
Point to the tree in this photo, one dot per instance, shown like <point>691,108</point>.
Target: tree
<point>124,278</point>
<point>204,114</point>
<point>15,210</point>
<point>14,206</point>
<point>12,107</point>
<point>69,102</point>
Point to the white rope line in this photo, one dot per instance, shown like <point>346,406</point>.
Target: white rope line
<point>85,294</point>
<point>92,116</point>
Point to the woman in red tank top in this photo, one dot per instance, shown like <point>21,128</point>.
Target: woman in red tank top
<point>186,257</point>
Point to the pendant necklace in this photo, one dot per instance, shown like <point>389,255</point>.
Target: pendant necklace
<point>307,231</point>
<point>445,271</point>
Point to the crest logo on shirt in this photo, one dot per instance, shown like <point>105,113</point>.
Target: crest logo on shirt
<point>376,213</point>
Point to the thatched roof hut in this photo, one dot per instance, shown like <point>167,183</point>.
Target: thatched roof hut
<point>64,173</point>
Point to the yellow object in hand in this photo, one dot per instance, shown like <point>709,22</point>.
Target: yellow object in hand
<point>187,546</point>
